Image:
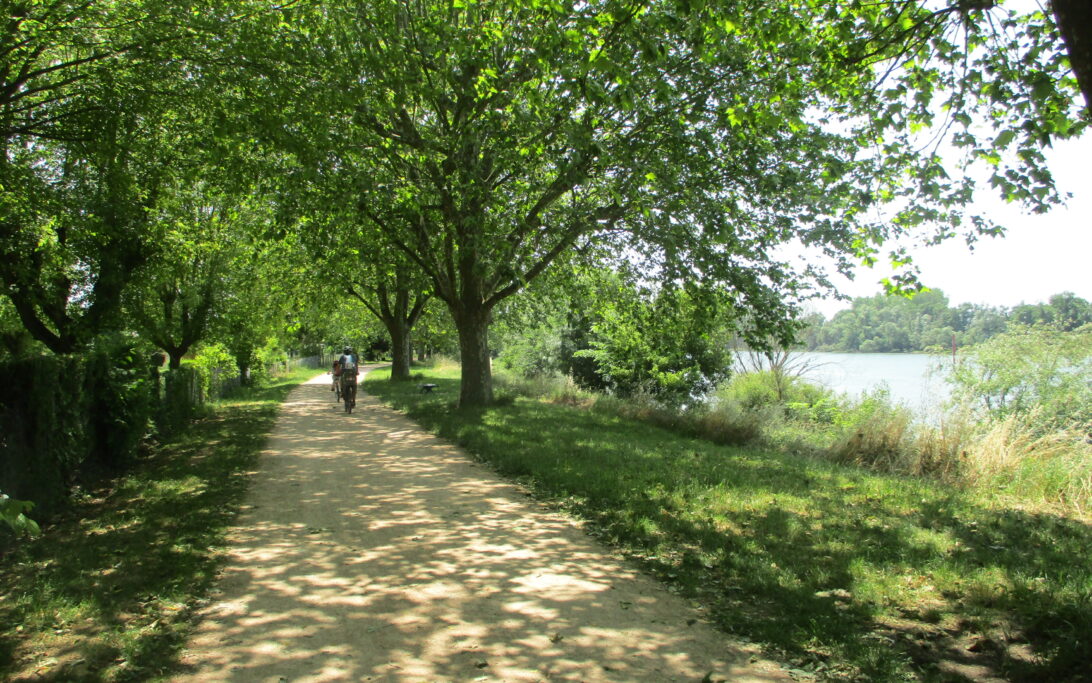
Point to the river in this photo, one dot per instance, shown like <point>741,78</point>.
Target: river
<point>913,379</point>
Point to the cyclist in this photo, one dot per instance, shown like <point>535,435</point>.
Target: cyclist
<point>348,369</point>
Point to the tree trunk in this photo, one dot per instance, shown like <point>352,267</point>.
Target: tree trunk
<point>175,356</point>
<point>401,353</point>
<point>477,372</point>
<point>1074,19</point>
<point>243,364</point>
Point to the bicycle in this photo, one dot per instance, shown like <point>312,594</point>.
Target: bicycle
<point>348,390</point>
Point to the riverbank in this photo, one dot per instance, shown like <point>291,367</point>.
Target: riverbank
<point>845,571</point>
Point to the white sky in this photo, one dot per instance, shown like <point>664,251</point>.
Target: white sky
<point>1038,256</point>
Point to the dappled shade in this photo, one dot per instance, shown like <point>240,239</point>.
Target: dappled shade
<point>374,551</point>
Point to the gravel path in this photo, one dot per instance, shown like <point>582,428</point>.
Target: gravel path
<point>371,550</point>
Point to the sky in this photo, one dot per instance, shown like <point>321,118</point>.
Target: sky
<point>1037,257</point>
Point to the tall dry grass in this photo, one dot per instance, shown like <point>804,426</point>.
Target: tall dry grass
<point>1017,456</point>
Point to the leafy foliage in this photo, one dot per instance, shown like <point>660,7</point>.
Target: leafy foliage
<point>487,139</point>
<point>670,344</point>
<point>1028,369</point>
<point>63,417</point>
<point>926,322</point>
<point>613,334</point>
<point>14,514</point>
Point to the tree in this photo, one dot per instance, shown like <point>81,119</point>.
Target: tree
<point>1074,19</point>
<point>54,54</point>
<point>183,287</point>
<point>507,133</point>
<point>612,333</point>
<point>262,287</point>
<point>354,260</point>
<point>93,99</point>
<point>81,225</point>
<point>389,290</point>
<point>73,174</point>
<point>783,368</point>
<point>1069,311</point>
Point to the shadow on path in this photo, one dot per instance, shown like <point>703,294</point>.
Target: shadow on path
<point>373,551</point>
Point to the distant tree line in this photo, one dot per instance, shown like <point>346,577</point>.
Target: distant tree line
<point>926,322</point>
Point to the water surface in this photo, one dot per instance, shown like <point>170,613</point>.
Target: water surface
<point>913,379</point>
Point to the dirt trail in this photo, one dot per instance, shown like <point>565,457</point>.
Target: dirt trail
<point>371,550</point>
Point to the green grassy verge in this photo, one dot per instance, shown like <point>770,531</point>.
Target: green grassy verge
<point>841,571</point>
<point>108,592</point>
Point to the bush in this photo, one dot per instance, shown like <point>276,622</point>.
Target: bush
<point>61,416</point>
<point>799,398</point>
<point>750,390</point>
<point>875,435</point>
<point>216,370</point>
<point>722,422</point>
<point>1016,456</point>
<point>535,355</point>
<point>549,386</point>
<point>121,403</point>
<point>184,390</point>
<point>43,438</point>
<point>13,514</point>
<point>728,423</point>
<point>1040,368</point>
<point>271,360</point>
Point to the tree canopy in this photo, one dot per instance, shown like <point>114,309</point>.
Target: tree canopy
<point>883,324</point>
<point>489,142</point>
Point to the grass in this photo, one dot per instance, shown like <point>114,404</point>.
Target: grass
<point>844,572</point>
<point>108,592</point>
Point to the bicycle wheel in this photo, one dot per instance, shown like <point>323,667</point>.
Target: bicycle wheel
<point>347,395</point>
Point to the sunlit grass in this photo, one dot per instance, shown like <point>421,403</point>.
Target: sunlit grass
<point>108,591</point>
<point>842,570</point>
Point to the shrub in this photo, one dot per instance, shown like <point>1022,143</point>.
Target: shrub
<point>216,368</point>
<point>799,398</point>
<point>63,415</point>
<point>876,437</point>
<point>940,447</point>
<point>121,402</point>
<point>728,423</point>
<point>1027,369</point>
<point>183,393</point>
<point>44,438</point>
<point>13,514</point>
<point>271,360</point>
<point>1016,456</point>
<point>750,390</point>
<point>534,355</point>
